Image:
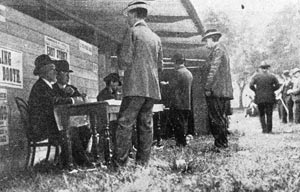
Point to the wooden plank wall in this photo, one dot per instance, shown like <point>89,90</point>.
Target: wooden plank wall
<point>26,34</point>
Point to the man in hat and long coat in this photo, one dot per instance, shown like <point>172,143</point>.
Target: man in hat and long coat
<point>264,84</point>
<point>42,99</point>
<point>141,54</point>
<point>218,87</point>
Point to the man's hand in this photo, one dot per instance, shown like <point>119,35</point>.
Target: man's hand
<point>208,93</point>
<point>164,82</point>
<point>69,90</point>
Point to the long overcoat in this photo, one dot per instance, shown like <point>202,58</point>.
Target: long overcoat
<point>219,77</point>
<point>142,55</point>
<point>264,85</point>
<point>181,86</point>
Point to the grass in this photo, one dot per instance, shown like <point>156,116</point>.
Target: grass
<point>253,162</point>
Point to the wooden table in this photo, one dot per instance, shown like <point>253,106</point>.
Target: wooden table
<point>99,114</point>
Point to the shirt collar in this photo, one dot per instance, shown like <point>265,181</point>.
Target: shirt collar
<point>180,66</point>
<point>61,86</point>
<point>48,83</point>
<point>142,22</point>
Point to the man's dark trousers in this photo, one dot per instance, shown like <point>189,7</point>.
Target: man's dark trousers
<point>134,110</point>
<point>266,111</point>
<point>180,122</point>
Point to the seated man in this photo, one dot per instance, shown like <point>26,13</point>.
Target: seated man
<point>111,91</point>
<point>42,100</point>
<point>80,135</point>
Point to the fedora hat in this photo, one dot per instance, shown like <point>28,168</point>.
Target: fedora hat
<point>178,58</point>
<point>210,33</point>
<point>136,4</point>
<point>62,65</point>
<point>40,62</point>
<point>113,77</point>
<point>264,65</point>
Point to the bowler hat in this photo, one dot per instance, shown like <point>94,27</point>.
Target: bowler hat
<point>211,33</point>
<point>62,65</point>
<point>178,58</point>
<point>264,65</point>
<point>113,77</point>
<point>40,62</point>
<point>136,4</point>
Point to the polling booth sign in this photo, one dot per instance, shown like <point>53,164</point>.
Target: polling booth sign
<point>11,68</point>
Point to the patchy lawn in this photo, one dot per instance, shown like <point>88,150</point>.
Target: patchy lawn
<point>253,162</point>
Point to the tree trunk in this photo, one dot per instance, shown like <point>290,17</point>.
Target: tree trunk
<point>242,88</point>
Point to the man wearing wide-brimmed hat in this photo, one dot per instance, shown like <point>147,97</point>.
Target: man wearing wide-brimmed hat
<point>264,85</point>
<point>42,99</point>
<point>295,92</point>
<point>141,53</point>
<point>218,88</point>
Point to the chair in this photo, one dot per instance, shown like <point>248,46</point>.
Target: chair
<point>32,141</point>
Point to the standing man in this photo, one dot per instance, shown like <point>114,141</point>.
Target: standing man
<point>287,107</point>
<point>218,88</point>
<point>295,92</point>
<point>264,84</point>
<point>181,86</point>
<point>141,54</point>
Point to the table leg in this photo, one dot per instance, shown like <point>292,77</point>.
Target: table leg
<point>158,124</point>
<point>94,135</point>
<point>67,144</point>
<point>107,147</point>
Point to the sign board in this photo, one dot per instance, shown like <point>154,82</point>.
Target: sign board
<point>56,49</point>
<point>11,68</point>
<point>85,47</point>
<point>3,117</point>
<point>2,13</point>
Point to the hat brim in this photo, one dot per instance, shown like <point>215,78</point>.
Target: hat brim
<point>142,6</point>
<point>265,66</point>
<point>211,35</point>
<point>297,71</point>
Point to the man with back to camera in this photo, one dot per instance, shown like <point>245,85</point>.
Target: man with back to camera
<point>141,56</point>
<point>218,87</point>
<point>180,106</point>
<point>264,84</point>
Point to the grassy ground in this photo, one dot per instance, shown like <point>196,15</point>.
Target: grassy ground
<point>253,162</point>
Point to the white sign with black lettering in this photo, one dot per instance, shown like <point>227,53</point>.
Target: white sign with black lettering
<point>2,13</point>
<point>85,47</point>
<point>3,123</point>
<point>56,49</point>
<point>11,68</point>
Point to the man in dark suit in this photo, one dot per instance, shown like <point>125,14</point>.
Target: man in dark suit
<point>264,84</point>
<point>80,135</point>
<point>181,86</point>
<point>42,100</point>
<point>218,87</point>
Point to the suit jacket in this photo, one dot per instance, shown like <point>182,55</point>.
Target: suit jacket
<point>219,77</point>
<point>142,55</point>
<point>106,94</point>
<point>264,85</point>
<point>62,93</point>
<point>296,91</point>
<point>181,86</point>
<point>41,103</point>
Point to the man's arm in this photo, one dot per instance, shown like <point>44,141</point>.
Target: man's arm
<point>252,84</point>
<point>127,48</point>
<point>160,57</point>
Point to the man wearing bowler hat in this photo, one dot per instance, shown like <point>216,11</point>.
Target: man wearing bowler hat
<point>218,87</point>
<point>42,99</point>
<point>141,56</point>
<point>181,85</point>
<point>80,134</point>
<point>264,84</point>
